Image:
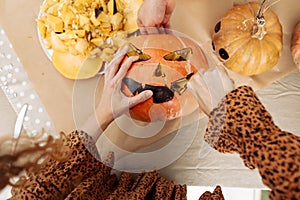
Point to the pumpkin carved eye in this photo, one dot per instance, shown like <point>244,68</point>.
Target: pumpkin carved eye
<point>223,54</point>
<point>218,27</point>
<point>134,51</point>
<point>179,55</point>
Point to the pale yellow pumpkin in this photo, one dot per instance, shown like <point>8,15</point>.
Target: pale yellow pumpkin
<point>246,43</point>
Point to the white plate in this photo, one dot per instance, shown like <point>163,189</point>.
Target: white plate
<point>47,51</point>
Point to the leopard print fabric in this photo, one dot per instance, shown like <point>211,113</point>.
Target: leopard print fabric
<point>164,189</point>
<point>88,189</point>
<point>147,186</point>
<point>55,180</point>
<point>84,176</point>
<point>215,195</point>
<point>241,124</point>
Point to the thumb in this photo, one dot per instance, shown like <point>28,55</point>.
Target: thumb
<point>143,96</point>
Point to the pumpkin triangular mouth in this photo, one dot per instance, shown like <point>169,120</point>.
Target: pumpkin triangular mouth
<point>161,94</point>
<point>133,86</point>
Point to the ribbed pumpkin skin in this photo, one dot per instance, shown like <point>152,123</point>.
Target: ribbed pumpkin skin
<point>247,55</point>
<point>295,45</point>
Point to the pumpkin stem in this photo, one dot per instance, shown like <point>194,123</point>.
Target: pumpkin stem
<point>258,30</point>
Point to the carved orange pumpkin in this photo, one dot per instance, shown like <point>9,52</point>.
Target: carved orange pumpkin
<point>295,45</point>
<point>248,39</point>
<point>164,67</point>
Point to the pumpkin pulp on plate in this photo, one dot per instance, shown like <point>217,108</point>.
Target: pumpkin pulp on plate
<point>74,29</point>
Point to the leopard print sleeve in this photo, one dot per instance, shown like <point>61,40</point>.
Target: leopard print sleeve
<point>216,194</point>
<point>241,124</point>
<point>57,179</point>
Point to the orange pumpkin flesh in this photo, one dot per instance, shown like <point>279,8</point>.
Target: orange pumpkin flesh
<point>143,72</point>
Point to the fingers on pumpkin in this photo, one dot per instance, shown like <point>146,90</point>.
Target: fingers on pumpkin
<point>113,66</point>
<point>140,98</point>
<point>124,67</point>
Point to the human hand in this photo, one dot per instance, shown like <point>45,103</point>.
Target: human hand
<point>155,13</point>
<point>113,102</point>
<point>209,87</point>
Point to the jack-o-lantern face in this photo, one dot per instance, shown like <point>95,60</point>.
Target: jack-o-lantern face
<point>166,74</point>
